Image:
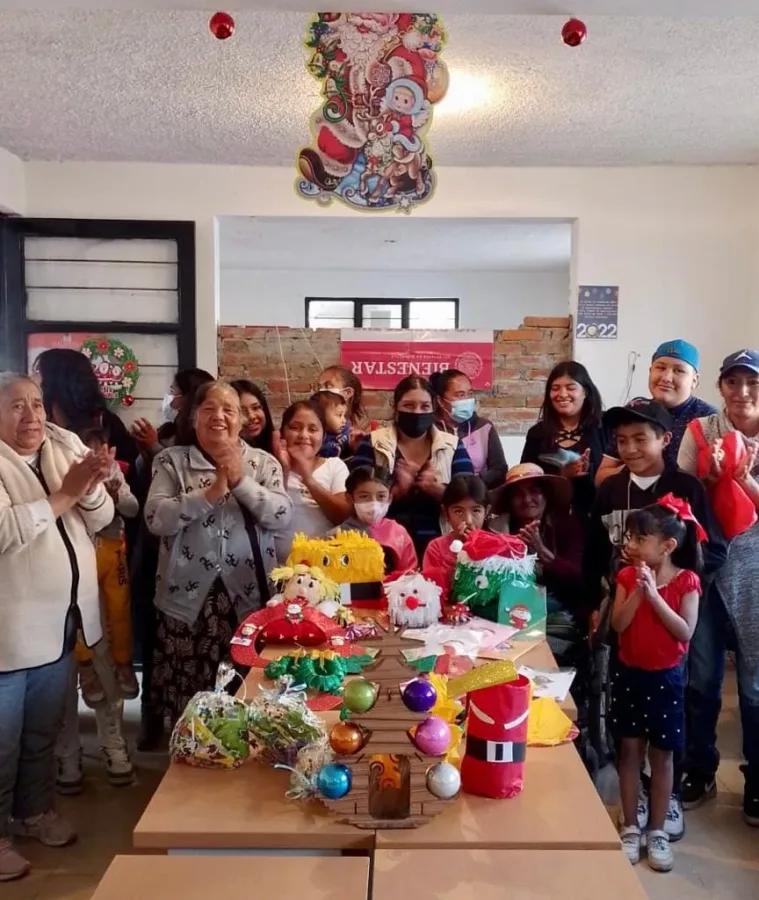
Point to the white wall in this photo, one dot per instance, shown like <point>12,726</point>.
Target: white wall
<point>488,299</point>
<point>12,183</point>
<point>681,242</point>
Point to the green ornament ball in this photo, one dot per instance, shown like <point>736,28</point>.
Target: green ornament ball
<point>359,695</point>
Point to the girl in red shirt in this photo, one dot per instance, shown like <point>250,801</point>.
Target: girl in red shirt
<point>655,614</point>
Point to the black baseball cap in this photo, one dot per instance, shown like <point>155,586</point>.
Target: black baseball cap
<point>642,409</point>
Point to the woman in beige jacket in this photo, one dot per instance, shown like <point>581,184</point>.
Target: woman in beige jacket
<point>52,501</point>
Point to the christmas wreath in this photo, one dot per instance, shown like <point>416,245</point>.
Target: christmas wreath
<point>115,366</point>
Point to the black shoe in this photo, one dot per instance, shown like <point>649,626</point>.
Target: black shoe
<point>697,789</point>
<point>750,800</point>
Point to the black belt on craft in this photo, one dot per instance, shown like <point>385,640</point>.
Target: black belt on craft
<point>495,751</point>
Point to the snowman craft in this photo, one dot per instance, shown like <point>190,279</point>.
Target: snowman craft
<point>413,600</point>
<point>495,577</point>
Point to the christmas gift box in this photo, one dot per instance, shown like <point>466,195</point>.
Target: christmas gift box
<point>496,739</point>
<point>493,575</point>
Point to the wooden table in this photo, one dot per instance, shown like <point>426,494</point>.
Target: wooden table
<point>234,878</point>
<point>246,809</point>
<point>500,874</point>
<point>559,809</point>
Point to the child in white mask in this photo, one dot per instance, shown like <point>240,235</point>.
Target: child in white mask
<point>369,491</point>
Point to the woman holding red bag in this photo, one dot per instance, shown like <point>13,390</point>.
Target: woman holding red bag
<point>722,449</point>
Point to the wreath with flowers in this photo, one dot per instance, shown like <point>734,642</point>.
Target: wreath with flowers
<point>115,366</point>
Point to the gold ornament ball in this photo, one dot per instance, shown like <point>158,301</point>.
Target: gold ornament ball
<point>346,738</point>
<point>438,80</point>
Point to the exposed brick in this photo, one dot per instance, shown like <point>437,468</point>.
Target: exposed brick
<point>523,358</point>
<point>546,322</point>
<point>518,334</point>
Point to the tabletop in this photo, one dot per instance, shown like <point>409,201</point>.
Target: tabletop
<point>234,878</point>
<point>496,874</point>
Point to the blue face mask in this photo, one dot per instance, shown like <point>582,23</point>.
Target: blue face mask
<point>462,410</point>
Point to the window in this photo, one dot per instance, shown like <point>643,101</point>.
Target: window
<point>323,312</point>
<point>65,281</point>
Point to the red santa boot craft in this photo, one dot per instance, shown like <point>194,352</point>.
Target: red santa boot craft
<point>496,739</point>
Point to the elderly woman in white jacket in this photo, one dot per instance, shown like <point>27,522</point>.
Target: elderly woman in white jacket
<point>52,500</point>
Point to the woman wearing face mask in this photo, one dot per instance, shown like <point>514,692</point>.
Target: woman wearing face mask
<point>258,426</point>
<point>369,491</point>
<point>456,413</point>
<point>421,458</point>
<point>569,438</point>
<point>315,485</point>
<point>730,610</point>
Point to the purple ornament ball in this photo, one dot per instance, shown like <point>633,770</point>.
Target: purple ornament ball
<point>433,736</point>
<point>419,695</point>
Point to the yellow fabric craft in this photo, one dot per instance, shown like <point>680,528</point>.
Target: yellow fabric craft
<point>486,676</point>
<point>548,725</point>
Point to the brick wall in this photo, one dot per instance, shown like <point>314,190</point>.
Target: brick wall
<point>523,358</point>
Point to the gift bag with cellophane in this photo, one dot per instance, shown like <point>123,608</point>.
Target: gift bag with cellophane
<point>522,605</point>
<point>496,739</point>
<point>733,508</point>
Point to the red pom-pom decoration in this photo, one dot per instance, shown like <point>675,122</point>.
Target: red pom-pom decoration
<point>574,32</point>
<point>128,400</point>
<point>222,25</point>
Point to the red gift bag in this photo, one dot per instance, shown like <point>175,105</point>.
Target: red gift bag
<point>496,740</point>
<point>733,508</point>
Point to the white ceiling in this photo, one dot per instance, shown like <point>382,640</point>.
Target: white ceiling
<point>394,244</point>
<point>156,87</point>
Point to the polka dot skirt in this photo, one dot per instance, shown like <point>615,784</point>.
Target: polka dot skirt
<point>650,705</point>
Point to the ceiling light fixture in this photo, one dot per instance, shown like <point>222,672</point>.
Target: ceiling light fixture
<point>467,92</point>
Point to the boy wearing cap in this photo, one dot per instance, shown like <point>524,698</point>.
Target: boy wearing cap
<point>642,432</point>
<point>672,379</point>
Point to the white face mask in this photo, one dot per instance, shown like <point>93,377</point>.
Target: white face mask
<point>167,410</point>
<point>371,513</point>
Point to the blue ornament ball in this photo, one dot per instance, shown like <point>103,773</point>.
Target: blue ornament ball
<point>334,781</point>
<point>419,695</point>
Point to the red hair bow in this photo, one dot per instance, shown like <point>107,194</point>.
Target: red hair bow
<point>681,508</point>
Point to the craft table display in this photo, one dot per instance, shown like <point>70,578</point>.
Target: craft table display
<point>200,809</point>
<point>233,878</point>
<point>500,874</point>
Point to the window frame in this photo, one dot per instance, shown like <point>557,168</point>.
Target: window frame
<point>15,327</point>
<point>360,302</point>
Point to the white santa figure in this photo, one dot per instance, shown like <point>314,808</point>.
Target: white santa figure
<point>413,600</point>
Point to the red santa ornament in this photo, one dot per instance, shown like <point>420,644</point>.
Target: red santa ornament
<point>496,739</point>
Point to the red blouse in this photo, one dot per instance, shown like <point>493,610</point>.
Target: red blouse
<point>646,643</point>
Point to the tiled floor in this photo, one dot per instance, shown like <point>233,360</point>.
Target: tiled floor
<point>717,860</point>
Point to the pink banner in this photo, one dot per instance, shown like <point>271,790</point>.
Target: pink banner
<point>382,358</point>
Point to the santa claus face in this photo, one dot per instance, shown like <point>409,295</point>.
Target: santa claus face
<point>413,601</point>
<point>520,617</point>
<point>402,100</point>
<point>363,35</point>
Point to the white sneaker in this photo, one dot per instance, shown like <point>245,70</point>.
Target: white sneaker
<point>660,857</point>
<point>630,836</point>
<point>674,824</point>
<point>113,746</point>
<point>48,828</point>
<point>12,864</point>
<point>69,780</point>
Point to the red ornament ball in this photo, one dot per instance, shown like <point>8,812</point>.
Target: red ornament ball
<point>128,400</point>
<point>222,25</point>
<point>574,32</point>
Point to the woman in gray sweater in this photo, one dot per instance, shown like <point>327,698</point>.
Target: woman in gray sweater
<point>215,506</point>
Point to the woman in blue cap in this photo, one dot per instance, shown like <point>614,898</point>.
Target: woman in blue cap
<point>672,381</point>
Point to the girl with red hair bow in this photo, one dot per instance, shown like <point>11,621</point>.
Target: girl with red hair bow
<point>655,614</point>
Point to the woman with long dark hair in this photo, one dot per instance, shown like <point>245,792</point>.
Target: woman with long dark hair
<point>340,380</point>
<point>258,425</point>
<point>569,438</point>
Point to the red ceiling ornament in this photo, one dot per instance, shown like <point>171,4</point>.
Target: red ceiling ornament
<point>574,32</point>
<point>222,25</point>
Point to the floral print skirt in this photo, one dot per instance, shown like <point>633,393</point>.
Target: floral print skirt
<point>187,657</point>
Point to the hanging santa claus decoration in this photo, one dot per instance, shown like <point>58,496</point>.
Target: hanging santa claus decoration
<point>381,75</point>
